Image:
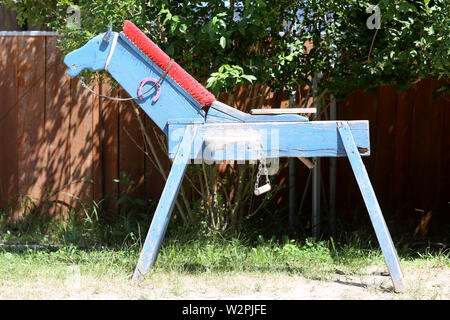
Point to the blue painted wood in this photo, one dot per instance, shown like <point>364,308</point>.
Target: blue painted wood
<point>129,66</point>
<point>177,87</point>
<point>91,56</point>
<point>218,117</point>
<point>370,199</point>
<point>284,139</point>
<point>171,104</point>
<point>185,121</point>
<point>165,206</point>
<point>215,115</point>
<point>218,107</point>
<point>220,112</point>
<point>276,118</point>
<point>174,101</point>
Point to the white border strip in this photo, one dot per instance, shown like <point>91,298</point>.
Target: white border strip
<point>111,51</point>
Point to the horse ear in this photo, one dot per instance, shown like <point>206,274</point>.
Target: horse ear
<point>107,35</point>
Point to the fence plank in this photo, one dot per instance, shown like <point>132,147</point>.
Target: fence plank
<point>8,121</point>
<point>384,155</point>
<point>403,145</point>
<point>344,175</point>
<point>31,116</point>
<point>57,125</point>
<point>154,181</point>
<point>445,173</point>
<point>358,105</point>
<point>110,114</point>
<point>97,137</point>
<point>81,164</point>
<point>426,155</point>
<point>435,137</point>
<point>131,156</point>
<point>367,109</point>
<point>420,144</point>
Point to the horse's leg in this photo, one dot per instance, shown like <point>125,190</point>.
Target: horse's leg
<point>370,199</point>
<point>166,203</point>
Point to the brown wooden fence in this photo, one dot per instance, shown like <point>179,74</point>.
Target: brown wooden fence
<point>57,140</point>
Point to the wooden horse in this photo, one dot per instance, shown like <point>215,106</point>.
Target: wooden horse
<point>176,104</point>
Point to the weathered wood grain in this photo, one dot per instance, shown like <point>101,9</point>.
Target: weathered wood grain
<point>346,204</point>
<point>110,147</point>
<point>154,180</point>
<point>403,145</point>
<point>81,144</point>
<point>367,106</point>
<point>97,144</point>
<point>131,146</point>
<point>436,112</point>
<point>384,156</point>
<point>425,140</point>
<point>8,121</point>
<point>444,199</point>
<point>173,100</point>
<point>283,111</point>
<point>57,128</point>
<point>302,139</point>
<point>31,116</point>
<point>432,152</point>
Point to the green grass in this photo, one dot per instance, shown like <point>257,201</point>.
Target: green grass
<point>310,259</point>
<point>17,264</point>
<point>88,251</point>
<point>198,250</point>
<point>188,265</point>
<point>107,254</point>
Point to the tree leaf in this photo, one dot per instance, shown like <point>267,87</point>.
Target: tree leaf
<point>223,42</point>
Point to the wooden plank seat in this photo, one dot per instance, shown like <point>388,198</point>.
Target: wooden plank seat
<point>220,112</point>
<point>284,111</point>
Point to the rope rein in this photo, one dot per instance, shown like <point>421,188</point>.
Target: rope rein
<point>157,83</point>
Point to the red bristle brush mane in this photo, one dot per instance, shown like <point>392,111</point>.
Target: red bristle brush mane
<point>162,60</point>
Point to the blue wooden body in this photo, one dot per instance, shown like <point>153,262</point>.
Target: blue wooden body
<point>285,139</point>
<point>224,133</point>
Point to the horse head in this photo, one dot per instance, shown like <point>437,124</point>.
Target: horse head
<point>138,65</point>
<point>93,55</point>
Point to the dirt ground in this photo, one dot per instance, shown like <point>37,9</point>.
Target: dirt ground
<point>422,283</point>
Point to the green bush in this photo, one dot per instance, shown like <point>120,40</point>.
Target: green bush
<point>264,46</point>
<point>266,39</point>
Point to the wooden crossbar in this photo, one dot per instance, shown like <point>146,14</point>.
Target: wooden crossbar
<point>284,111</point>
